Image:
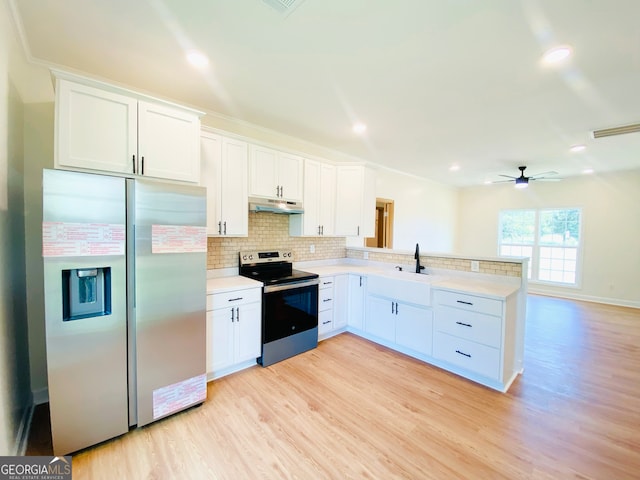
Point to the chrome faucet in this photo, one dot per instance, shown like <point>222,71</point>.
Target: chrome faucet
<point>417,257</point>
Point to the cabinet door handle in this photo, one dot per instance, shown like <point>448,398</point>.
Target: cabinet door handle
<point>463,302</point>
<point>234,299</point>
<point>134,163</point>
<point>141,165</point>
<point>396,308</point>
<point>462,353</point>
<point>360,281</point>
<point>358,230</point>
<point>233,316</point>
<point>225,228</point>
<point>322,233</point>
<point>219,228</point>
<point>237,314</point>
<point>464,324</point>
<point>318,229</point>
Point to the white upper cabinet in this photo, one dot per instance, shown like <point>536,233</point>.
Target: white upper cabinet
<point>318,201</point>
<point>168,143</point>
<point>224,174</point>
<point>355,201</point>
<point>103,128</point>
<point>95,129</point>
<point>275,174</point>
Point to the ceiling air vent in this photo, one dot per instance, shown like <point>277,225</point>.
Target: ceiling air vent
<point>609,132</point>
<point>285,7</point>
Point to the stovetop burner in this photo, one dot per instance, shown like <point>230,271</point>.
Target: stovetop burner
<point>272,268</point>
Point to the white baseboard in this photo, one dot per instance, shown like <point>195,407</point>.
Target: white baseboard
<point>586,298</point>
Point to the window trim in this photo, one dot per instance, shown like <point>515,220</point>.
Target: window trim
<point>534,260</point>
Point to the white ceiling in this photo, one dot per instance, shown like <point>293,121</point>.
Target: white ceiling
<point>438,82</point>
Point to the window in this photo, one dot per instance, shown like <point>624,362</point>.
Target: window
<point>549,237</point>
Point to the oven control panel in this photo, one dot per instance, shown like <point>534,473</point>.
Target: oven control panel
<point>266,257</point>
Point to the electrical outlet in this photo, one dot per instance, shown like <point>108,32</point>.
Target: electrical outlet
<point>365,255</point>
<point>475,266</point>
<point>312,249</point>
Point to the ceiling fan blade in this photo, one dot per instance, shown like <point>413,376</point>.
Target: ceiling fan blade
<point>540,175</point>
<point>546,179</point>
<point>502,181</point>
<point>508,176</point>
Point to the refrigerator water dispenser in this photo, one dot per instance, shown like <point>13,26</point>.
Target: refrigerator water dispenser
<point>86,293</point>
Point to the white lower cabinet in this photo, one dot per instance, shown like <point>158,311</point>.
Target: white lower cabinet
<point>414,328</point>
<point>355,306</point>
<point>332,305</point>
<point>404,321</point>
<point>340,302</point>
<point>474,336</point>
<point>234,328</point>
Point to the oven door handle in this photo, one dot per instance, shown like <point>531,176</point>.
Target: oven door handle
<point>291,285</point>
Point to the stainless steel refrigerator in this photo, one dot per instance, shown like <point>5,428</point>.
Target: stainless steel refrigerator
<point>125,297</point>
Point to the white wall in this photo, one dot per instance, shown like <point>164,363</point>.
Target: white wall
<point>38,154</point>
<point>424,211</point>
<point>611,229</point>
<point>15,394</point>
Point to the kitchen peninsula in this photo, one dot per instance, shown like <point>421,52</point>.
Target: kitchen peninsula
<point>471,324</point>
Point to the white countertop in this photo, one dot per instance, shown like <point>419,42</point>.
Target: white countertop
<point>500,288</point>
<point>231,283</point>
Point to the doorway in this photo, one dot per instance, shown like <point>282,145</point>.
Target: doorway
<point>384,225</point>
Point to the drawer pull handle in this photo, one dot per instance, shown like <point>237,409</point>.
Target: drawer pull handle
<point>464,324</point>
<point>328,321</point>
<point>462,353</point>
<point>327,299</point>
<point>462,301</point>
<point>234,299</point>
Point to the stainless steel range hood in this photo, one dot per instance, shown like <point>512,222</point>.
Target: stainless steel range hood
<point>287,207</point>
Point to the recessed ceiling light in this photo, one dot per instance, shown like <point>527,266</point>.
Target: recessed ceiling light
<point>578,148</point>
<point>556,55</point>
<point>359,128</point>
<point>197,59</point>
<point>454,168</point>
<point>587,171</point>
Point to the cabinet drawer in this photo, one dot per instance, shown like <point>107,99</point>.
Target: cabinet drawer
<point>489,306</point>
<point>471,356</point>
<point>326,282</point>
<point>325,321</point>
<point>473,326</point>
<point>325,299</point>
<point>236,297</point>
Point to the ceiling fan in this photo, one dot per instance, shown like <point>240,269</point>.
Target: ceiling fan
<point>523,182</point>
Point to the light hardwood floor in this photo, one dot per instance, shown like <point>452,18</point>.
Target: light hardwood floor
<point>353,409</point>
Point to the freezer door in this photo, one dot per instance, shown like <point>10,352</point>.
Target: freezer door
<point>168,298</point>
<point>84,221</point>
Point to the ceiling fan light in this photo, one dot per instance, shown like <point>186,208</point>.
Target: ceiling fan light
<point>522,182</point>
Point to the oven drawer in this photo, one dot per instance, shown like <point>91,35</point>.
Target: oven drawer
<point>236,297</point>
<point>325,299</point>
